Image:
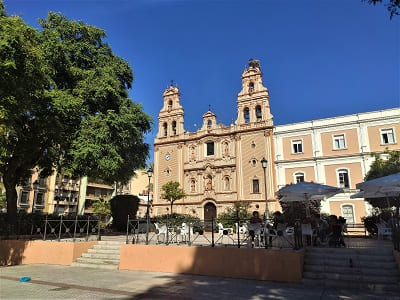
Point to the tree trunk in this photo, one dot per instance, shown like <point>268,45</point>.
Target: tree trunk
<point>11,198</point>
<point>172,203</point>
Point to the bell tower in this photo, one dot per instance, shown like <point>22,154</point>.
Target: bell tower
<point>170,118</point>
<point>253,99</point>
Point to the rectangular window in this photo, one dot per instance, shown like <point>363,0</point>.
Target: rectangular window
<point>348,213</point>
<point>256,186</point>
<point>344,179</point>
<point>339,142</point>
<point>299,177</point>
<point>297,146</point>
<point>210,148</point>
<point>387,136</point>
<point>42,182</point>
<point>39,199</point>
<point>24,197</point>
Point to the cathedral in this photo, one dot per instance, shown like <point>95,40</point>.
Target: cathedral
<point>217,165</point>
<point>251,159</point>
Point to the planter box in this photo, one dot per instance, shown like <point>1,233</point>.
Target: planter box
<point>261,264</point>
<point>16,252</point>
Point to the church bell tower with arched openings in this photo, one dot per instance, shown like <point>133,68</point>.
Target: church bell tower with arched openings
<point>253,99</point>
<point>170,118</point>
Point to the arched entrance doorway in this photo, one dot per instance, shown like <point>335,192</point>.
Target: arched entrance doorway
<point>210,213</point>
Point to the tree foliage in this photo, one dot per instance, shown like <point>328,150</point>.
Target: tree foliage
<point>65,105</point>
<point>123,206</point>
<point>171,192</point>
<point>239,209</point>
<point>393,6</point>
<point>385,164</point>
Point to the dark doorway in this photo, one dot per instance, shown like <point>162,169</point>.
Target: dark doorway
<point>210,213</point>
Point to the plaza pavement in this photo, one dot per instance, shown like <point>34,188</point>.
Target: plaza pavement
<point>63,282</point>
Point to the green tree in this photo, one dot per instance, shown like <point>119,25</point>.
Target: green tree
<point>102,209</point>
<point>65,105</point>
<point>385,163</point>
<point>239,209</point>
<point>393,6</point>
<point>172,192</point>
<point>3,203</point>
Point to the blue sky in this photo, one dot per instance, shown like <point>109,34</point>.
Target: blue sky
<point>320,58</point>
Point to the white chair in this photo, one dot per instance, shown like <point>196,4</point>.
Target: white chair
<point>306,230</point>
<point>161,229</point>
<point>186,232</point>
<point>254,232</point>
<point>243,229</point>
<point>383,230</point>
<point>224,231</point>
<point>281,233</point>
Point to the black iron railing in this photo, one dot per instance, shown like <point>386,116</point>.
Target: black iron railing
<point>213,233</point>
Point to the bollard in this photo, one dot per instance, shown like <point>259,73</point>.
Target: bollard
<point>127,231</point>
<point>59,231</point>
<point>189,234</point>
<point>167,235</point>
<point>76,222</point>
<point>238,234</point>
<point>87,229</point>
<point>98,230</point>
<point>212,232</point>
<point>45,229</point>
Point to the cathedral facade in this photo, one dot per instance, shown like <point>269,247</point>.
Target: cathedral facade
<point>217,165</point>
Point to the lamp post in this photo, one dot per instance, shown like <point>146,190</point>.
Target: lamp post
<point>35,185</point>
<point>264,164</point>
<point>149,174</point>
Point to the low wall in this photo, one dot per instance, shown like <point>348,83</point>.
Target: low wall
<point>261,264</point>
<point>16,252</point>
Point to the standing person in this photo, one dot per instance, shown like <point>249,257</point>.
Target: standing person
<point>255,226</point>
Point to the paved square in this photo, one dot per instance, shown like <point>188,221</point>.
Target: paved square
<point>63,282</point>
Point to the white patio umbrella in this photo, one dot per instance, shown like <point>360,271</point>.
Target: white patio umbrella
<point>386,184</point>
<point>382,187</point>
<point>305,192</point>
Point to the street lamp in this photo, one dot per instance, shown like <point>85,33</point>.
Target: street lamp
<point>35,185</point>
<point>264,164</point>
<point>149,174</point>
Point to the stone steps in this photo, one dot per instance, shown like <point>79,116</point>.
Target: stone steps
<point>352,277</point>
<point>85,265</point>
<point>346,263</point>
<point>372,269</point>
<point>100,255</point>
<point>354,270</point>
<point>373,287</point>
<point>103,255</point>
